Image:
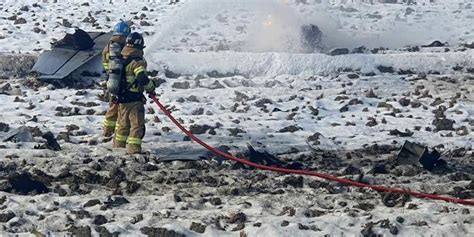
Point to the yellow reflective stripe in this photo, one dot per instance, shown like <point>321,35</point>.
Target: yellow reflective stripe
<point>149,86</point>
<point>106,66</point>
<point>120,138</point>
<point>138,70</point>
<point>134,140</point>
<point>109,123</point>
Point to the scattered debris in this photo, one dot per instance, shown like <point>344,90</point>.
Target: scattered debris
<point>21,134</point>
<point>198,227</point>
<point>415,154</point>
<point>397,132</point>
<point>395,199</point>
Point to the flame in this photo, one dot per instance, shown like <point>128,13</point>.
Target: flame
<point>268,22</point>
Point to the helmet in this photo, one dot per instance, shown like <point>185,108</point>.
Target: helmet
<point>135,40</point>
<point>121,29</point>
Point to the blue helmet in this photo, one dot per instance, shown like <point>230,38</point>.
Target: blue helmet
<point>122,29</point>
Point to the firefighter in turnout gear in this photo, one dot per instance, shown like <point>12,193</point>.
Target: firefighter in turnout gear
<point>130,128</point>
<point>119,36</point>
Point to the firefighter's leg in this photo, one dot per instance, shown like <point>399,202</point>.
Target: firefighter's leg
<point>110,120</point>
<point>122,129</point>
<point>137,127</point>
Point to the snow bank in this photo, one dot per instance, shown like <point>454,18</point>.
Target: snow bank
<point>273,64</point>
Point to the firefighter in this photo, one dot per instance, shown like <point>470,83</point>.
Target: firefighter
<point>119,35</point>
<point>130,128</point>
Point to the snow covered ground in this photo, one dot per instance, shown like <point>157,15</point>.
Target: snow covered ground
<point>234,72</point>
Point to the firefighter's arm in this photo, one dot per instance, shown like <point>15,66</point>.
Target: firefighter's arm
<point>105,59</point>
<point>142,79</point>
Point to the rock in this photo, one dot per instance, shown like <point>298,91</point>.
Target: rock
<point>462,131</point>
<point>239,227</point>
<point>51,142</point>
<point>294,181</point>
<point>420,223</point>
<point>394,199</point>
<point>235,131</point>
<point>132,187</point>
<point>237,218</point>
<point>370,94</point>
<point>351,170</point>
<point>372,122</point>
<point>103,232</point>
<point>310,213</point>
<point>396,132</point>
<point>365,206</point>
<point>465,211</point>
<point>379,169</point>
<point>240,97</point>
<point>314,111</point>
<point>24,8</point>
<point>4,127</point>
<point>137,219</point>
<point>409,11</point>
<point>339,51</point>
<point>443,124</point>
<point>161,232</point>
<point>198,227</point>
<point>99,220</point>
<point>145,23</point>
<point>199,129</point>
<point>290,211</point>
<point>6,216</point>
<point>150,167</point>
<point>412,206</point>
<point>66,23</point>
<point>384,69</point>
<point>92,203</point>
<point>384,105</point>
<point>367,230</point>
<point>64,136</point>
<point>314,138</point>
<point>215,201</point>
<point>291,129</point>
<point>81,214</point>
<point>404,101</point>
<point>284,223</point>
<point>37,30</point>
<point>198,111</point>
<point>83,231</point>
<point>393,229</point>
<point>353,76</point>
<point>302,227</point>
<point>116,176</point>
<point>262,103</point>
<point>19,21</point>
<point>435,43</point>
<point>181,85</point>
<point>117,201</point>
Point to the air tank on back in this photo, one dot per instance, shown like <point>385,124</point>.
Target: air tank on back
<point>115,69</point>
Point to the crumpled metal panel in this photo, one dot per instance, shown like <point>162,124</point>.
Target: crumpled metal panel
<point>59,63</point>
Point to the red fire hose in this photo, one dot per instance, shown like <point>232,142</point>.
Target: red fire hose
<point>309,173</point>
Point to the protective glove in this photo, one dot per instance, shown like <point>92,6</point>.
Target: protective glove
<point>151,94</point>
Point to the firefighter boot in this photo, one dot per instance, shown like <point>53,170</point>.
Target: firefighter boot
<point>134,149</point>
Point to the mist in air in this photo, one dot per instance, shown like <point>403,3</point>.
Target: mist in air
<point>275,26</point>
